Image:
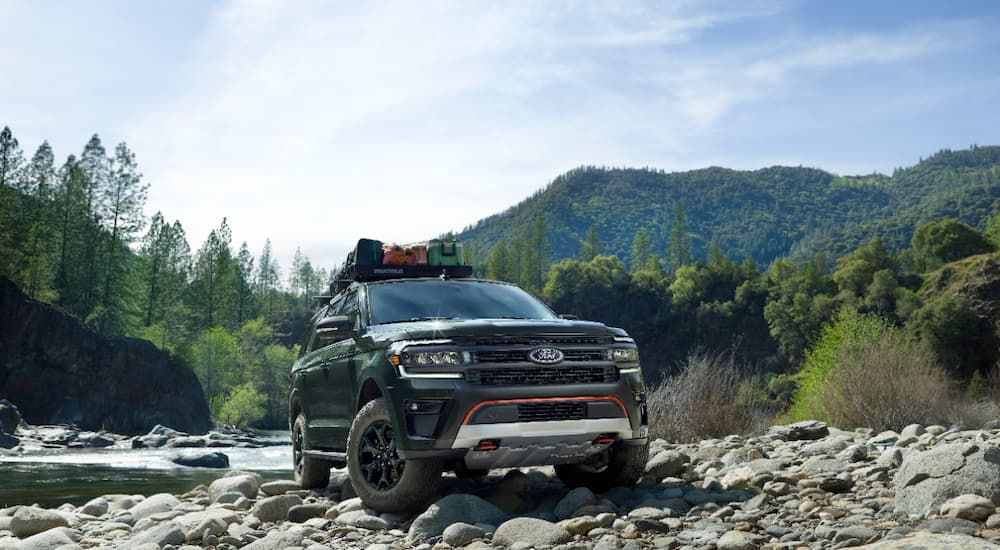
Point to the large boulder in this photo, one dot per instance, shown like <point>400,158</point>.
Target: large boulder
<point>926,480</point>
<point>29,520</point>
<point>201,460</point>
<point>453,509</point>
<point>65,373</point>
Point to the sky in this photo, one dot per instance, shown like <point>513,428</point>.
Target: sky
<point>316,123</point>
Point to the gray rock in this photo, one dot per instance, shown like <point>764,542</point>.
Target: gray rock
<point>573,501</point>
<point>279,487</point>
<point>274,509</point>
<point>738,540</point>
<point>8,441</point>
<point>665,464</point>
<point>822,464</point>
<point>201,460</point>
<point>96,507</point>
<point>532,531</point>
<point>246,485</point>
<point>828,446</point>
<point>913,430</point>
<point>950,525</point>
<point>276,540</point>
<point>884,439</point>
<point>303,512</point>
<point>853,453</point>
<point>928,479</point>
<point>858,532</point>
<point>28,520</point>
<point>970,507</point>
<point>453,509</point>
<point>805,430</point>
<point>10,417</point>
<point>160,535</point>
<point>460,534</point>
<point>891,458</point>
<point>155,504</point>
<point>60,537</point>
<point>360,518</point>
<point>923,539</point>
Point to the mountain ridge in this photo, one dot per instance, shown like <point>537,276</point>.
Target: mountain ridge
<point>763,214</point>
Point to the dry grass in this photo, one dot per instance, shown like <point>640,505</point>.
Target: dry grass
<point>704,401</point>
<point>885,384</point>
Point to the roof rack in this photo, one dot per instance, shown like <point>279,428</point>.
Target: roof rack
<point>364,263</point>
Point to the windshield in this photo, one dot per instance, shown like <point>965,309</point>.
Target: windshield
<point>426,300</point>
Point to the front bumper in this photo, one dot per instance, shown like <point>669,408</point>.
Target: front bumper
<point>448,418</point>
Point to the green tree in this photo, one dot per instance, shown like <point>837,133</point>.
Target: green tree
<point>499,265</point>
<point>680,241</point>
<point>121,211</point>
<point>214,286</point>
<point>856,270</point>
<point>591,246</point>
<point>642,250</point>
<point>937,243</point>
<point>242,407</point>
<point>214,356</point>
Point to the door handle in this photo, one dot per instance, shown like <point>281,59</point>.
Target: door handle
<point>326,371</point>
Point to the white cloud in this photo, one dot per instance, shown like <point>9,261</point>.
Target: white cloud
<point>315,123</point>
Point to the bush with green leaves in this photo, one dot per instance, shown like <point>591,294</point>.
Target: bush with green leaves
<point>243,407</point>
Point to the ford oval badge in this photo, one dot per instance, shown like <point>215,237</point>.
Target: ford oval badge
<point>546,356</point>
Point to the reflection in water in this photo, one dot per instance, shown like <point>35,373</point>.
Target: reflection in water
<point>75,476</point>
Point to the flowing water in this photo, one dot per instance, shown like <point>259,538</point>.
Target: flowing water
<point>53,477</point>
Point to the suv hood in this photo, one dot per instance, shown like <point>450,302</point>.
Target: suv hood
<point>464,328</point>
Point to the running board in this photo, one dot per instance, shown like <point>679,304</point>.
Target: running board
<point>330,456</point>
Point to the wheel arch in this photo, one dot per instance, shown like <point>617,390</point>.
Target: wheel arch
<point>370,390</point>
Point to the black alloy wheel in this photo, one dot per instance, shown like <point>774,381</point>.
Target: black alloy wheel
<point>380,464</point>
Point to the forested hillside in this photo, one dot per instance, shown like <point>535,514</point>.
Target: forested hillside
<point>74,234</point>
<point>761,214</point>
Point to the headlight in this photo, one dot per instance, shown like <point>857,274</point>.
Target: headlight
<point>435,358</point>
<point>623,355</point>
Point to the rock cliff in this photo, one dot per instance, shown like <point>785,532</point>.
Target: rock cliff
<point>59,372</point>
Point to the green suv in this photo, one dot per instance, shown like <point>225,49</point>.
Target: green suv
<point>404,376</point>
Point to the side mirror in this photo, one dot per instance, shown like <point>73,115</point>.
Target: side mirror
<point>336,327</point>
<point>568,317</point>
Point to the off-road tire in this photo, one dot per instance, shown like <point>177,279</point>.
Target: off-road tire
<point>625,467</point>
<point>310,473</point>
<point>414,487</point>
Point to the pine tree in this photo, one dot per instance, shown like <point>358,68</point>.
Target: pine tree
<point>95,167</point>
<point>244,266</point>
<point>680,248</point>
<point>642,250</point>
<point>591,247</point>
<point>37,258</point>
<point>121,205</point>
<point>11,165</point>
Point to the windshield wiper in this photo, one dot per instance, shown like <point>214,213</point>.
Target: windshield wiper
<point>417,319</point>
<point>508,317</point>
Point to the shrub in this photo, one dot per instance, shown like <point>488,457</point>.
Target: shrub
<point>850,327</point>
<point>243,406</point>
<point>707,399</point>
<point>886,383</point>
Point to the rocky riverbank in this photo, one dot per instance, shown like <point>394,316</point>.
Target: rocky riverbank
<point>28,439</point>
<point>798,486</point>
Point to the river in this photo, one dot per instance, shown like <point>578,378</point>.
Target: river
<point>53,477</point>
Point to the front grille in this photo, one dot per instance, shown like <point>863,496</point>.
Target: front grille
<point>583,355</point>
<point>521,355</point>
<point>502,356</point>
<point>542,340</point>
<point>542,375</point>
<point>547,411</point>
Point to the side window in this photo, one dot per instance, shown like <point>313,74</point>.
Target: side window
<point>348,306</point>
<point>312,343</point>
